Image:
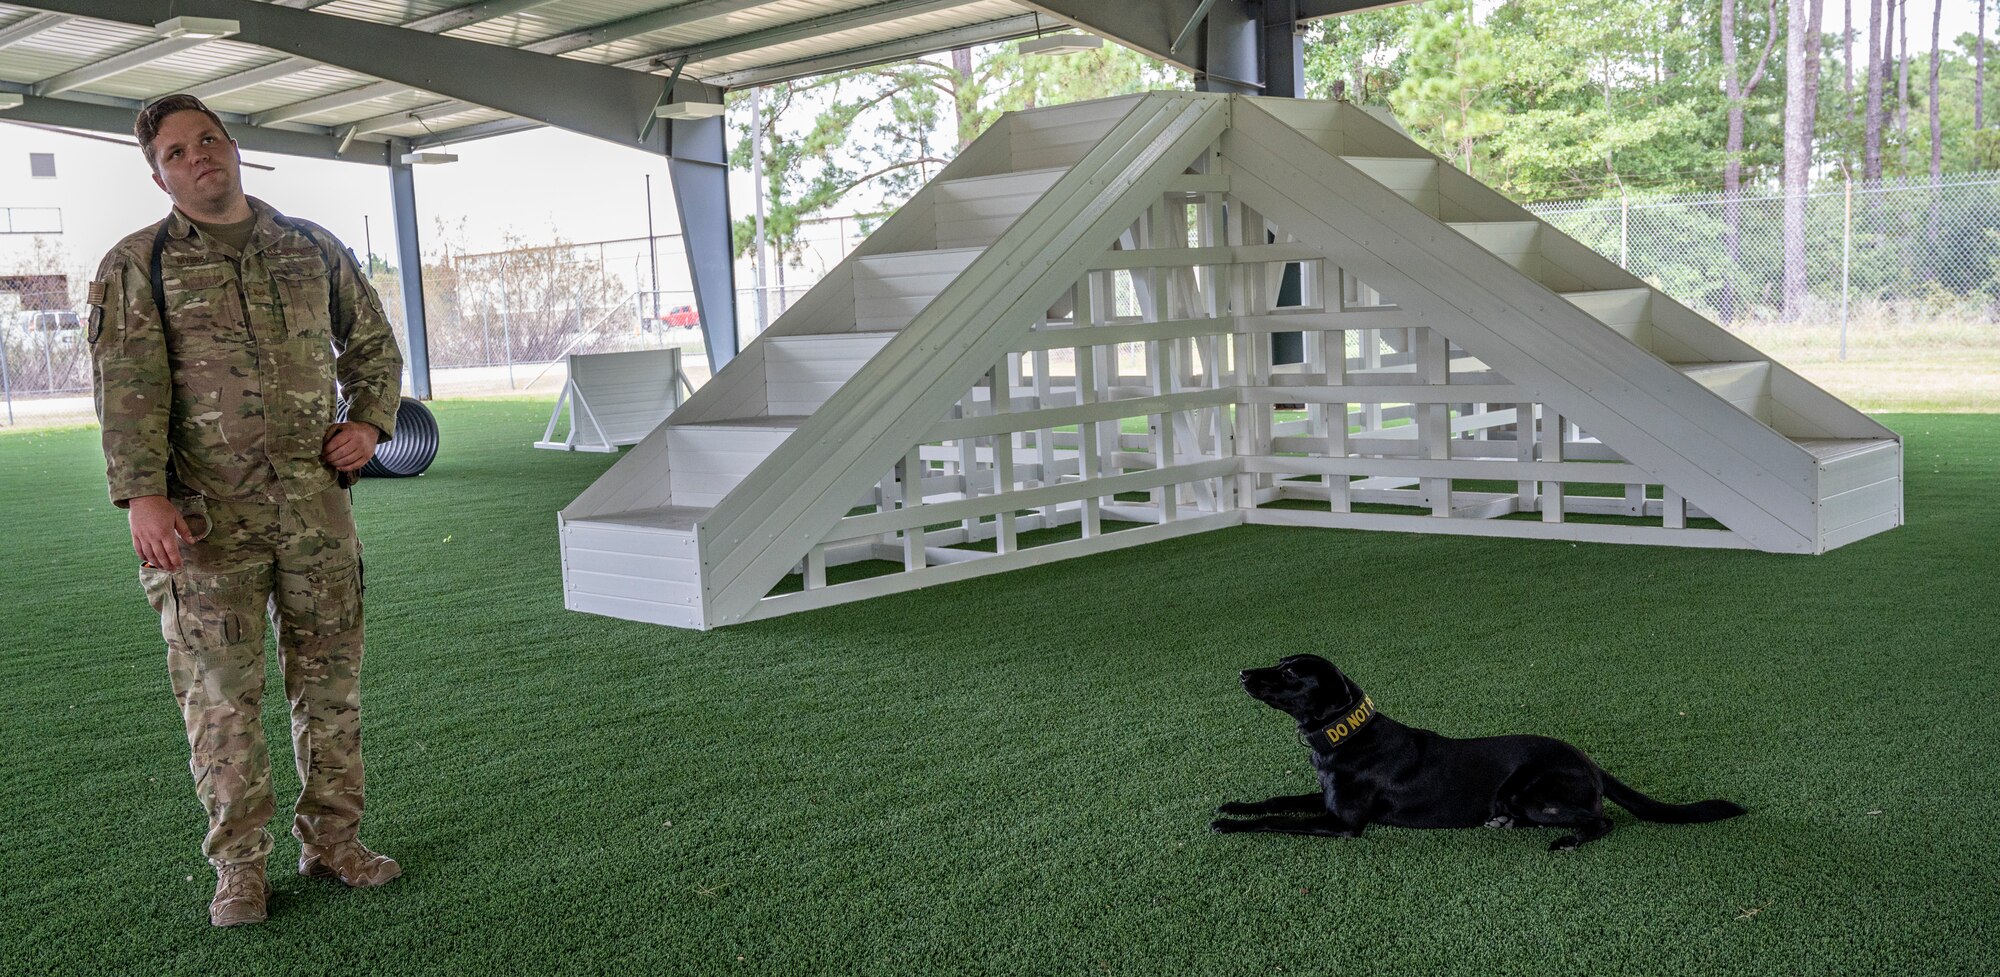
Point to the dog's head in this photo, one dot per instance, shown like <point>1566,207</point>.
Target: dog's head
<point>1306,687</point>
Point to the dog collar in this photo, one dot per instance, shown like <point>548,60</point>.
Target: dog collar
<point>1333,734</point>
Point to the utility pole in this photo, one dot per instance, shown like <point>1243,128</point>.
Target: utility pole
<point>757,186</point>
<point>652,249</point>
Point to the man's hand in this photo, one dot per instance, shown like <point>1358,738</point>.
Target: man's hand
<point>156,522</point>
<point>349,445</point>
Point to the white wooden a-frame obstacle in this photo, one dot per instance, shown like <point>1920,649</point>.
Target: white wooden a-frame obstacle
<point>1071,326</point>
<point>615,398</point>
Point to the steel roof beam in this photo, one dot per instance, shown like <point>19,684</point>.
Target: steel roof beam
<point>115,116</point>
<point>254,76</point>
<point>477,130</point>
<point>435,24</point>
<point>329,102</point>
<point>803,30</point>
<point>470,14</point>
<point>403,117</point>
<point>861,57</point>
<point>28,28</point>
<point>658,20</point>
<point>609,103</point>
<point>117,64</point>
<point>1150,28</point>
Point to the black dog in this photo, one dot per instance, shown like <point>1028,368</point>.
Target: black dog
<point>1373,769</point>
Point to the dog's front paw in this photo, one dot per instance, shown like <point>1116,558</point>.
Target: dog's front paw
<point>1223,826</point>
<point>1238,807</point>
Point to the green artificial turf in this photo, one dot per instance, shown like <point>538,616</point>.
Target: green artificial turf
<point>1014,775</point>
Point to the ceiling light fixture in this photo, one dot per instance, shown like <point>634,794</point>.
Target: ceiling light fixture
<point>420,158</point>
<point>203,28</point>
<point>689,111</point>
<point>1061,44</point>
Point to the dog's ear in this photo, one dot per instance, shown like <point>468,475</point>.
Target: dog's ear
<point>1335,679</point>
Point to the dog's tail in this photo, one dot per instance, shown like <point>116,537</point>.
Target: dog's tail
<point>1648,809</point>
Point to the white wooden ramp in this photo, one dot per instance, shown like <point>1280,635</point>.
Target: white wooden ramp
<point>1062,346</point>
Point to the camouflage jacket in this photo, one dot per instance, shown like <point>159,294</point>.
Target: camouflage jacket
<point>232,396</point>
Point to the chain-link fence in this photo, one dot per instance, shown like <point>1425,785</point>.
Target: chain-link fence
<point>502,321</point>
<point>497,322</point>
<point>44,353</point>
<point>1889,296</point>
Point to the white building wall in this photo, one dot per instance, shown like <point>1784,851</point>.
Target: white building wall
<point>32,212</point>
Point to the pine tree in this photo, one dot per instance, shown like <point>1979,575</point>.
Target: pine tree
<point>1801,98</point>
<point>1737,91</point>
<point>1871,119</point>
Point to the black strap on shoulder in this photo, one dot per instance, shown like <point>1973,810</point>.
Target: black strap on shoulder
<point>159,286</point>
<point>332,263</point>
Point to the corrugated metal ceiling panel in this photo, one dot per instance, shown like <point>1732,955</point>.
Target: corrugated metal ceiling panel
<point>387,11</point>
<point>551,19</point>
<point>444,123</point>
<point>717,28</point>
<point>72,45</point>
<point>973,13</point>
<point>22,68</point>
<point>311,83</point>
<point>372,108</point>
<point>82,42</point>
<point>180,70</point>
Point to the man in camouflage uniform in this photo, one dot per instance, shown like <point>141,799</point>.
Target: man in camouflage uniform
<point>217,337</point>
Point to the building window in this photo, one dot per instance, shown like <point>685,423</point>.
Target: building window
<point>42,166</point>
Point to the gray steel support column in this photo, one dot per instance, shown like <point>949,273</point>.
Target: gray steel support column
<point>699,168</point>
<point>1266,36</point>
<point>1231,61</point>
<point>410,268</point>
<point>1284,49</point>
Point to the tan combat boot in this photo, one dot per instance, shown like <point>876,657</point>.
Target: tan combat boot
<point>349,861</point>
<point>241,890</point>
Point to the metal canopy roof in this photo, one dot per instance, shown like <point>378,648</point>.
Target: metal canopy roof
<point>371,80</point>
<point>328,83</point>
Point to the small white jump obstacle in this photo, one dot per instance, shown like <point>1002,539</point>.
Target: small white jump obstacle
<point>1071,326</point>
<point>616,398</point>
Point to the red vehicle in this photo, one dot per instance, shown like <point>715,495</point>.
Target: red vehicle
<point>681,317</point>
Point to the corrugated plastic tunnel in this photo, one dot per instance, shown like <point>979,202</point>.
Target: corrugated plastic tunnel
<point>413,448</point>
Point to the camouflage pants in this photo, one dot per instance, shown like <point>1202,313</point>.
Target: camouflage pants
<point>300,564</point>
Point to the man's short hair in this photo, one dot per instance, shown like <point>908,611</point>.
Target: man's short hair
<point>147,128</point>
